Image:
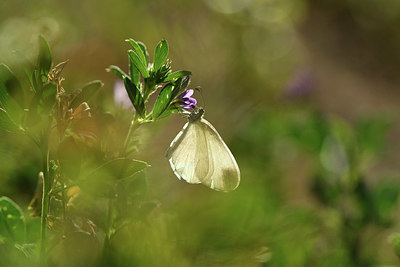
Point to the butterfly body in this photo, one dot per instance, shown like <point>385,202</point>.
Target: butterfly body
<point>199,155</point>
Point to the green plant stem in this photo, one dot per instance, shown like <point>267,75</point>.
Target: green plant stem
<point>109,219</point>
<point>46,190</point>
<point>133,126</point>
<point>45,208</point>
<point>64,201</point>
<point>106,255</point>
<point>148,89</point>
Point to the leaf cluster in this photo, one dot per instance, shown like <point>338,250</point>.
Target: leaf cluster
<point>145,78</point>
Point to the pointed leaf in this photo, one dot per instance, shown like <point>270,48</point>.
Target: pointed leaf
<point>160,54</point>
<point>179,87</point>
<point>10,105</point>
<point>45,58</point>
<point>87,92</point>
<point>139,64</point>
<point>120,168</point>
<point>12,222</point>
<point>135,96</point>
<point>12,85</point>
<point>134,73</point>
<point>7,123</point>
<point>101,181</point>
<point>115,69</point>
<point>177,75</point>
<point>139,51</point>
<point>47,98</point>
<point>169,111</point>
<point>144,49</point>
<point>36,83</point>
<point>163,100</point>
<point>33,115</point>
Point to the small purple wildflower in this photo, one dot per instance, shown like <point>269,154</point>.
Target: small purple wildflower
<point>301,84</point>
<point>186,101</point>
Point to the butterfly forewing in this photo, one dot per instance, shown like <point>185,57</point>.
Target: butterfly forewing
<point>182,156</point>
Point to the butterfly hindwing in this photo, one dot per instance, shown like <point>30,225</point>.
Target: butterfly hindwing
<point>222,172</point>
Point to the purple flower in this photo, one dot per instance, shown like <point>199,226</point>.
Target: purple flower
<point>301,84</point>
<point>185,100</point>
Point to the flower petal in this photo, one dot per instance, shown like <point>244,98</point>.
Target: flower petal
<point>186,94</point>
<point>191,101</point>
<point>189,107</point>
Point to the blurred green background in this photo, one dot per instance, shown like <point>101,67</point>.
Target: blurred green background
<point>304,92</point>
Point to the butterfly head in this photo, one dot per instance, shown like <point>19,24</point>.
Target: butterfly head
<point>196,115</point>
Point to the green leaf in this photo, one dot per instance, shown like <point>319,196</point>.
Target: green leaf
<point>48,98</point>
<point>139,51</point>
<point>371,134</point>
<point>135,96</point>
<point>45,58</point>
<point>33,116</point>
<point>87,92</point>
<point>10,105</point>
<point>11,84</point>
<point>169,111</point>
<point>29,73</point>
<point>139,64</point>
<point>144,49</point>
<point>12,222</point>
<point>134,73</point>
<point>163,100</point>
<point>385,199</point>
<point>102,180</point>
<point>115,69</point>
<point>136,184</point>
<point>7,123</point>
<point>36,83</point>
<point>160,54</point>
<point>395,239</point>
<point>184,83</point>
<point>179,87</point>
<point>177,75</point>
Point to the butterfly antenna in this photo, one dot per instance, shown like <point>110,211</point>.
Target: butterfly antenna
<point>200,90</point>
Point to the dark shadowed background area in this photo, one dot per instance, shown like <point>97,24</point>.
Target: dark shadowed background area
<point>304,92</point>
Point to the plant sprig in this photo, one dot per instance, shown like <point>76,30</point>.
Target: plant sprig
<point>146,78</point>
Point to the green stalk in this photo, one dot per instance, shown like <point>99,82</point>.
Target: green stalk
<point>45,197</point>
<point>45,208</point>
<point>135,123</point>
<point>133,126</point>
<point>109,219</point>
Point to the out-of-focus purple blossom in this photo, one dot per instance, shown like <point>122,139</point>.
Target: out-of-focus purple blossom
<point>301,84</point>
<point>186,101</point>
<point>121,97</point>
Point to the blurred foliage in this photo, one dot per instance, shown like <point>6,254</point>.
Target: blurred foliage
<point>318,188</point>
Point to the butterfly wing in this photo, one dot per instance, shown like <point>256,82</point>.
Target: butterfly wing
<point>182,153</point>
<point>217,168</point>
<point>199,155</point>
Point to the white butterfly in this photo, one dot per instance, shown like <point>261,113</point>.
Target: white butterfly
<point>199,155</point>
